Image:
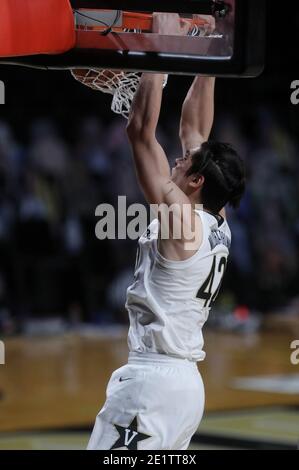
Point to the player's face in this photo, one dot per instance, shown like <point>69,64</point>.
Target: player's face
<point>178,173</point>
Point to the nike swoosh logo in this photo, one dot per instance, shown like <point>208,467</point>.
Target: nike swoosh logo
<point>123,380</point>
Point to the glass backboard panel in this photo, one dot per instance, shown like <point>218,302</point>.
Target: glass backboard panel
<point>132,32</point>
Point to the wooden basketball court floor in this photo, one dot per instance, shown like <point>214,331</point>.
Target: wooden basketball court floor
<point>52,387</point>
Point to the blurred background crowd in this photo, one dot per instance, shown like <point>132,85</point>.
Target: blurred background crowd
<point>57,167</point>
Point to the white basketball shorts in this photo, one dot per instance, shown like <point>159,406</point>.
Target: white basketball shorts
<point>154,402</point>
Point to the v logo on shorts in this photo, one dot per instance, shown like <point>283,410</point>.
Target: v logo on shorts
<point>129,436</point>
<point>129,439</point>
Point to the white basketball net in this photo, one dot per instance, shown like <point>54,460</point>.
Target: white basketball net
<point>121,85</point>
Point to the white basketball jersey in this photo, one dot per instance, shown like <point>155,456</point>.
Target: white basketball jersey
<point>169,301</point>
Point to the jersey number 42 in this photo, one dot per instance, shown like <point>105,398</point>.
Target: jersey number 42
<point>211,287</point>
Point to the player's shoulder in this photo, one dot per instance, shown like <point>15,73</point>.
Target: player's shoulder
<point>213,220</point>
<point>215,225</point>
<point>221,224</point>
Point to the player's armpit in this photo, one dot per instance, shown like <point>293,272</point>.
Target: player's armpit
<point>182,238</point>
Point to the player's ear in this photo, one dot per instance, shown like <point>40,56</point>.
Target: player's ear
<point>196,181</point>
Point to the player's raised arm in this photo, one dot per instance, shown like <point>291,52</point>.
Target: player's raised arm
<point>149,157</point>
<point>197,113</point>
<point>151,164</point>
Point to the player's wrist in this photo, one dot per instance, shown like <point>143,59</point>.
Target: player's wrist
<point>158,80</point>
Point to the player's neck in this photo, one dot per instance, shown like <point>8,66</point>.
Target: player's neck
<point>195,200</point>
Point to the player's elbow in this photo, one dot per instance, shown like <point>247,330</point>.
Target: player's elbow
<point>137,130</point>
<point>134,129</point>
<point>187,130</point>
<point>191,138</point>
<point>184,133</point>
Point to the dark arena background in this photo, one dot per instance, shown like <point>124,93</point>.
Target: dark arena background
<point>63,324</point>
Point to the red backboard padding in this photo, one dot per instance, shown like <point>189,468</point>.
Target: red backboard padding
<point>30,27</point>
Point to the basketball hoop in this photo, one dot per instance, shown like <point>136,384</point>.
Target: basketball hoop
<point>104,45</point>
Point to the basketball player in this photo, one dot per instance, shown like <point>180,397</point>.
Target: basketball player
<point>156,401</point>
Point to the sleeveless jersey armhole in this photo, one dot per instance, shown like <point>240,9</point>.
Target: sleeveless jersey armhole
<point>187,262</point>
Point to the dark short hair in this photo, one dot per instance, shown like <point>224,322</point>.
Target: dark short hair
<point>224,173</point>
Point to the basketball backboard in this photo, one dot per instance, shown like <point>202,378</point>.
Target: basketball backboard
<point>118,36</point>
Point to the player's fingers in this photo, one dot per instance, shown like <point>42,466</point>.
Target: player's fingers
<point>212,24</point>
<point>209,20</point>
<point>185,26</point>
